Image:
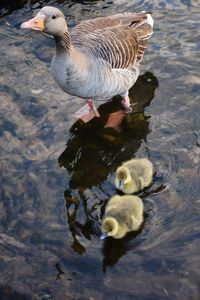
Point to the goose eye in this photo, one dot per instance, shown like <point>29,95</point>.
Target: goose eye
<point>53,17</point>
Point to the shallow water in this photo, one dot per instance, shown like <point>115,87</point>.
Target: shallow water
<point>56,174</point>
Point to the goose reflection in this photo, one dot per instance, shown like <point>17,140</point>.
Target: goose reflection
<point>114,249</point>
<point>94,151</point>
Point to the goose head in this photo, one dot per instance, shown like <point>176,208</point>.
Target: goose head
<point>110,227</point>
<point>49,20</point>
<point>123,176</point>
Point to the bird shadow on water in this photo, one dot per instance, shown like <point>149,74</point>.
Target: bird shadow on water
<point>93,152</point>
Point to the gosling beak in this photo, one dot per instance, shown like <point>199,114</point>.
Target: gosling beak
<point>37,23</point>
<point>121,184</point>
<point>103,235</point>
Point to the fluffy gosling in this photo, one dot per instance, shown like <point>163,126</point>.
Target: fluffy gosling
<point>122,215</point>
<point>134,175</point>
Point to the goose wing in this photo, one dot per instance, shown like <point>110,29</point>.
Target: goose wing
<point>118,41</point>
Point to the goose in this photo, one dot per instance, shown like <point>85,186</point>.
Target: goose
<point>98,58</point>
<point>122,215</point>
<point>134,175</point>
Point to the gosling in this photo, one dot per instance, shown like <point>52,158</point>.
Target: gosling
<point>122,215</point>
<point>134,175</point>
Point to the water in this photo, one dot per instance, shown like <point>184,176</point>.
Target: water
<point>56,174</point>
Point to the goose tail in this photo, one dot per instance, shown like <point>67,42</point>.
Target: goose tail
<point>143,28</point>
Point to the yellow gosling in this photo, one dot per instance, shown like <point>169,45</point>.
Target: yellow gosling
<point>122,215</point>
<point>134,175</point>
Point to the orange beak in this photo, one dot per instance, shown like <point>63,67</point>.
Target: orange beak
<point>37,23</point>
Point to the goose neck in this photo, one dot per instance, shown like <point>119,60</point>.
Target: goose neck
<point>63,42</point>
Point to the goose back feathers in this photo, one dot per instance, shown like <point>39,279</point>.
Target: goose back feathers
<point>119,40</point>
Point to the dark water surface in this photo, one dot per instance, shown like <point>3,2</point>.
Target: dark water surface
<point>56,174</point>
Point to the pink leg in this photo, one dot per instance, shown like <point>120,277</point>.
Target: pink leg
<point>93,108</point>
<point>126,104</point>
<point>87,112</point>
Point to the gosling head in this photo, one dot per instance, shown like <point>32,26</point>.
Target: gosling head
<point>123,177</point>
<point>49,20</point>
<point>110,227</point>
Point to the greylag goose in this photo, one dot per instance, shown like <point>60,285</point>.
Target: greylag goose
<point>98,58</point>
<point>122,215</point>
<point>134,175</point>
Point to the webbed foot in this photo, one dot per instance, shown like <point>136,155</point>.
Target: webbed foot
<point>87,112</point>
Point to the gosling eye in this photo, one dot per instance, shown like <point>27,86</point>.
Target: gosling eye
<point>54,17</point>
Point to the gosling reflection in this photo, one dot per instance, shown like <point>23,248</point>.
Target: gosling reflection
<point>95,150</point>
<point>114,249</point>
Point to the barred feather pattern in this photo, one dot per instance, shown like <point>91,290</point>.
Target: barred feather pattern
<point>120,40</point>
